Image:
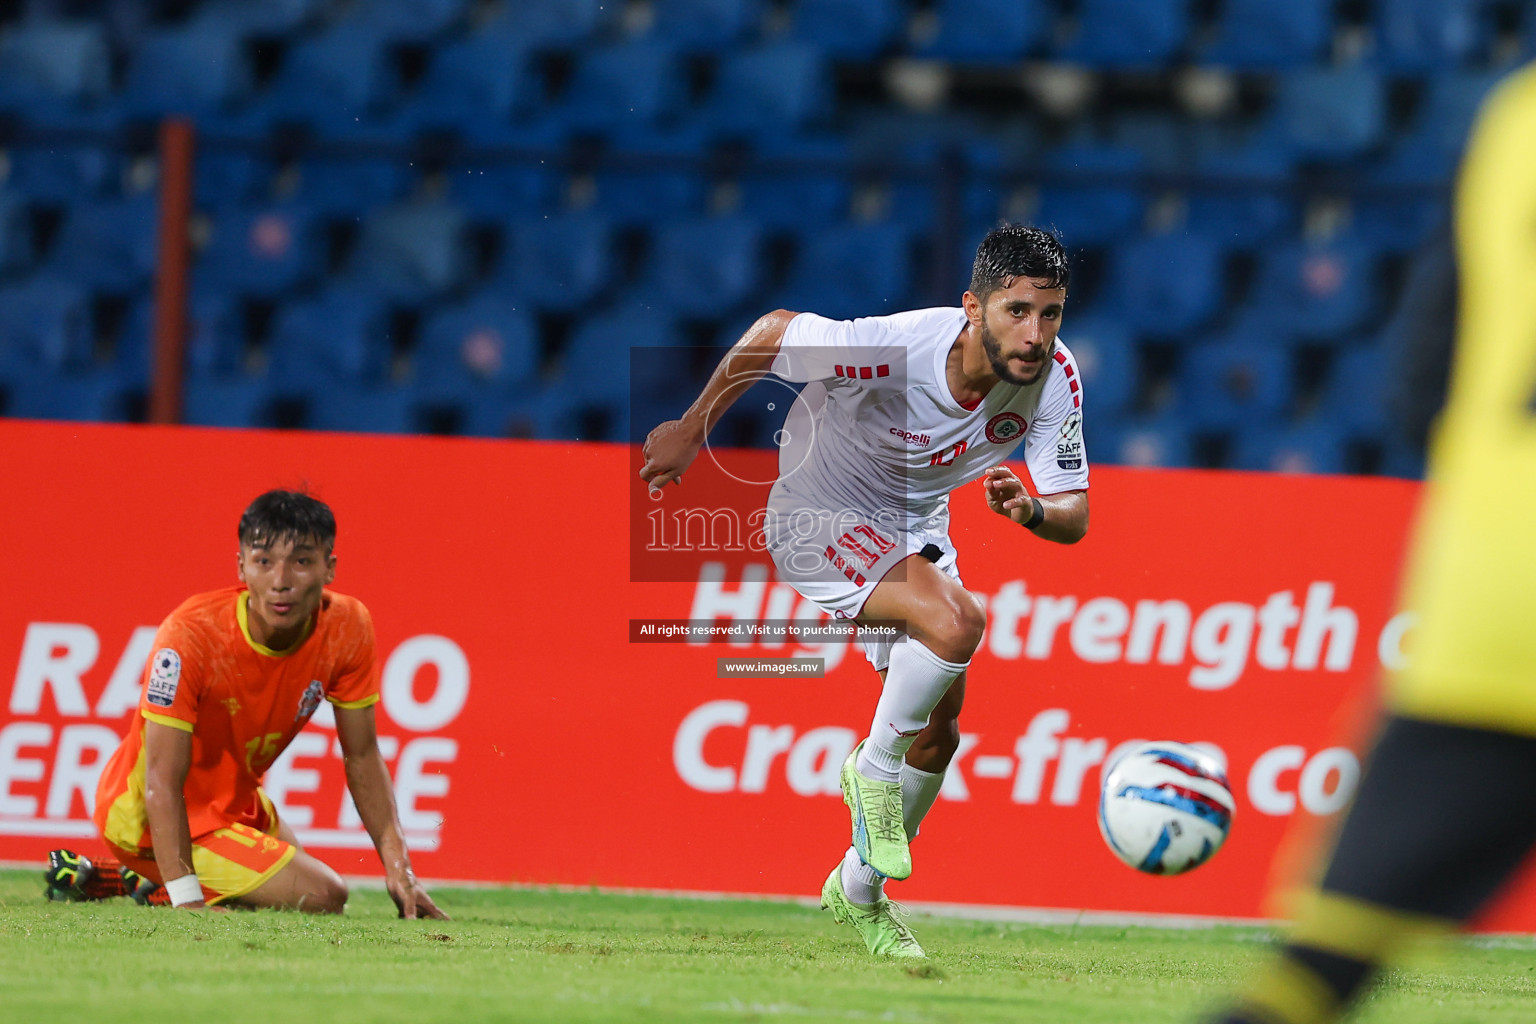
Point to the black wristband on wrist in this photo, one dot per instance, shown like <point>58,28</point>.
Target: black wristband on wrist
<point>1037,516</point>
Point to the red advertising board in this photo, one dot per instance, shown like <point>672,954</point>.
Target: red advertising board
<point>531,740</point>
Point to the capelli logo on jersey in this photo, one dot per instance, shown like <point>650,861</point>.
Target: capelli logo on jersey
<point>921,440</point>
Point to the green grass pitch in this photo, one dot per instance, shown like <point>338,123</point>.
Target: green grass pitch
<point>539,955</point>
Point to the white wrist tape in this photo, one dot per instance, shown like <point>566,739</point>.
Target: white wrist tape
<point>186,889</point>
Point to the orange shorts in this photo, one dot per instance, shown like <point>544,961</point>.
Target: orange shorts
<point>230,861</point>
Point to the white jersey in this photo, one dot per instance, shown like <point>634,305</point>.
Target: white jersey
<point>877,430</point>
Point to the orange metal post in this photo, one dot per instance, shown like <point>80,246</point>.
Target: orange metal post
<point>173,270</point>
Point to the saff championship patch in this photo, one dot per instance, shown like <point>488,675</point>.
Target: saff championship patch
<point>1005,427</point>
<point>164,674</point>
<point>1069,447</point>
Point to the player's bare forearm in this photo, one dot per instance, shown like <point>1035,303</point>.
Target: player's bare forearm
<point>672,446</point>
<point>1066,517</point>
<point>744,365</point>
<point>368,782</point>
<point>167,759</point>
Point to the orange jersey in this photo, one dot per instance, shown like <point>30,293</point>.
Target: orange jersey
<point>242,702</point>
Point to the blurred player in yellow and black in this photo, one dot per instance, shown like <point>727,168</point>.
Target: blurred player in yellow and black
<point>1447,809</point>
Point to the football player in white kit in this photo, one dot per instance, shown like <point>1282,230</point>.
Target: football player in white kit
<point>897,412</point>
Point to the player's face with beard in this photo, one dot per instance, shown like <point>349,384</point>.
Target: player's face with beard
<point>1018,329</point>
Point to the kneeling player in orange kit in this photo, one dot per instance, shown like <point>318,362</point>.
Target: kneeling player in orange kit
<point>235,674</point>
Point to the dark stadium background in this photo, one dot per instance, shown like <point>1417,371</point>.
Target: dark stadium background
<point>457,216</point>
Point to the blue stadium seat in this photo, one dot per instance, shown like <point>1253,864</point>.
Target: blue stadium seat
<point>851,270</point>
<point>1354,399</point>
<point>198,71</point>
<point>488,341</point>
<point>63,173</point>
<point>558,262</point>
<point>706,25</point>
<point>470,81</point>
<point>216,341</point>
<point>1306,448</point>
<point>780,89</point>
<point>988,31</point>
<point>1261,35</point>
<point>493,190</point>
<point>363,409</point>
<point>595,368</point>
<point>1431,35</point>
<point>1104,206</point>
<point>51,68</point>
<point>1316,289</point>
<point>1428,151</point>
<point>411,251</point>
<point>224,178</point>
<point>268,18</point>
<point>16,236</point>
<point>1331,114</point>
<point>215,338</point>
<point>108,245</point>
<point>1118,34</point>
<point>342,335</point>
<point>554,22</point>
<point>1154,442</point>
<point>350,185</point>
<point>333,84</point>
<point>851,29</point>
<point>705,266</point>
<point>1108,358</point>
<point>652,180</point>
<point>261,251</point>
<point>234,402</point>
<point>795,183</point>
<point>47,321</point>
<point>1162,139</point>
<point>86,396</point>
<point>1246,202</point>
<point>411,21</point>
<point>1236,380</point>
<point>630,86</point>
<point>1167,284</point>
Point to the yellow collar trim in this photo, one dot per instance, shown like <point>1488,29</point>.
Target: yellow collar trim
<point>245,630</point>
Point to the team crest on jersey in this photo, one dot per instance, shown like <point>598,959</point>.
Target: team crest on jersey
<point>164,674</point>
<point>1005,427</point>
<point>311,700</point>
<point>1069,447</point>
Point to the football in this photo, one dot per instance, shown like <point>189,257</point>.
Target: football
<point>1166,807</point>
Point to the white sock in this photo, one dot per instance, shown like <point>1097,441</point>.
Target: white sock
<point>861,883</point>
<point>918,791</point>
<point>914,684</point>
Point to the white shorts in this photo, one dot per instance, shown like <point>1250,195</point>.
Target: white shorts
<point>837,559</point>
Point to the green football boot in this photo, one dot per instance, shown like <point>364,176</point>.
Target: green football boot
<point>880,926</point>
<point>67,875</point>
<point>878,833</point>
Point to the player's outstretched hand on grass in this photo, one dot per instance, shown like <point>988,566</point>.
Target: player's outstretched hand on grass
<point>1006,494</point>
<point>668,450</point>
<point>410,897</point>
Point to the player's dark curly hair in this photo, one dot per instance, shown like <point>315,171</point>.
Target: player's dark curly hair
<point>1012,251</point>
<point>288,515</point>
